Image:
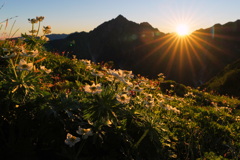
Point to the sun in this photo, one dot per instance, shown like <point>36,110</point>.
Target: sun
<point>182,29</point>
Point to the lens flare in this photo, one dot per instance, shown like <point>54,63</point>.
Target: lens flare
<point>182,30</point>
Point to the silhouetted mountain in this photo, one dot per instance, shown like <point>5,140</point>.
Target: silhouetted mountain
<point>192,60</point>
<point>56,36</point>
<point>219,45</point>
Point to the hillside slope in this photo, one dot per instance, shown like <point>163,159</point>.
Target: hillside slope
<point>227,81</point>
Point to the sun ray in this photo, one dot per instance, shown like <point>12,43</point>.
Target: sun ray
<point>172,58</point>
<point>190,58</point>
<point>197,40</point>
<point>183,55</point>
<point>194,51</point>
<point>166,39</point>
<point>205,42</point>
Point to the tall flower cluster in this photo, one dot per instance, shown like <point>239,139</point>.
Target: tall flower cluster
<point>34,31</point>
<point>22,54</point>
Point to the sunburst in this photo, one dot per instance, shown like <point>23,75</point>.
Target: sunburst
<point>182,29</point>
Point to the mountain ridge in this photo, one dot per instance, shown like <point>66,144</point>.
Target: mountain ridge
<point>134,45</point>
<point>56,36</point>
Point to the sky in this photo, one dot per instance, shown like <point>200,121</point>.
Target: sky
<point>68,16</point>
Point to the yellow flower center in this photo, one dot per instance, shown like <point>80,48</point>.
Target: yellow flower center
<point>93,88</point>
<point>122,98</point>
<point>137,88</point>
<point>86,130</point>
<point>24,66</point>
<point>73,138</point>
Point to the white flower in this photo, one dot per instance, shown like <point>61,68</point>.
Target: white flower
<point>45,69</point>
<point>93,88</point>
<point>149,103</point>
<point>128,73</point>
<point>117,73</point>
<point>160,95</point>
<point>85,132</point>
<point>189,94</point>
<point>161,77</point>
<point>168,107</point>
<point>44,38</point>
<point>138,100</point>
<point>71,140</point>
<point>137,88</point>
<point>33,53</point>
<point>148,96</point>
<point>113,72</point>
<point>86,62</point>
<point>128,83</point>
<point>23,65</point>
<point>123,98</point>
<point>10,55</point>
<point>33,20</point>
<point>149,100</point>
<point>46,29</point>
<point>110,78</point>
<point>97,73</point>
<point>89,68</point>
<point>40,19</point>
<point>237,118</point>
<point>74,57</point>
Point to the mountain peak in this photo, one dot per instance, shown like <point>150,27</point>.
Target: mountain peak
<point>120,17</point>
<point>117,22</point>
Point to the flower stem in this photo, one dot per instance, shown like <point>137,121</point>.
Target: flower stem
<point>142,137</point>
<point>38,28</point>
<point>14,69</point>
<point>32,29</point>
<point>80,149</point>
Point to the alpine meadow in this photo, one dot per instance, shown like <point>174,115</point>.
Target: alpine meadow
<point>122,91</point>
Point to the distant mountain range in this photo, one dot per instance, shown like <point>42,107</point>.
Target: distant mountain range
<point>192,60</point>
<point>57,36</point>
